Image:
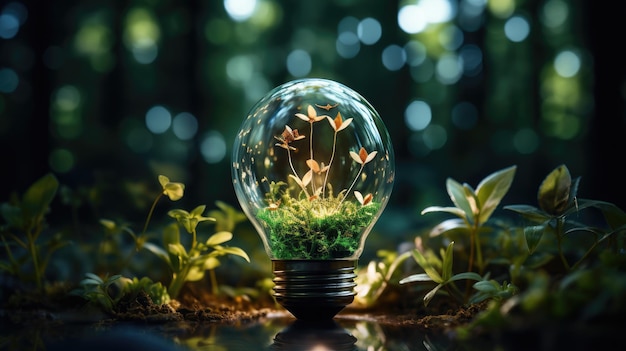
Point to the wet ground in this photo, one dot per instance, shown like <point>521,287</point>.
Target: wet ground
<point>278,331</point>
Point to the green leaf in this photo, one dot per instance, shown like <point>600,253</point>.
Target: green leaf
<point>533,235</point>
<point>219,238</point>
<point>38,197</point>
<point>429,269</point>
<point>420,277</point>
<point>158,251</point>
<point>466,275</point>
<point>458,195</point>
<point>453,210</point>
<point>487,286</point>
<point>531,213</point>
<point>12,215</point>
<point>448,258</point>
<point>554,191</point>
<point>91,281</point>
<point>227,217</point>
<point>235,251</point>
<point>171,235</point>
<point>94,277</point>
<point>177,250</point>
<point>211,263</point>
<point>492,189</point>
<point>449,227</point>
<point>197,212</point>
<point>614,216</point>
<point>429,296</point>
<point>195,273</point>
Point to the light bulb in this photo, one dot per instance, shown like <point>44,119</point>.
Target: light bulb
<point>313,169</point>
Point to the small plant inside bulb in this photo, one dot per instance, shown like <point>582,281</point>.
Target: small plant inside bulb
<point>306,217</point>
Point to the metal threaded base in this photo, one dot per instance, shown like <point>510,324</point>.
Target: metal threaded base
<point>314,290</point>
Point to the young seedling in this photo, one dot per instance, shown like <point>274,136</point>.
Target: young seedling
<point>191,264</point>
<point>28,256</point>
<point>474,208</point>
<point>98,291</point>
<point>377,276</point>
<point>444,279</point>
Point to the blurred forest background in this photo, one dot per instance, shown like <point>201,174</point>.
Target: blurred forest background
<point>109,94</point>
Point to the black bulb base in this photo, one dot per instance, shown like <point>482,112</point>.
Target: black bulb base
<point>314,290</point>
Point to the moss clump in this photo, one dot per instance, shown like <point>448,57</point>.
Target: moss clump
<point>317,229</point>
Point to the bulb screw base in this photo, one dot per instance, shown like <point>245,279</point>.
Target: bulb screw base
<point>314,290</point>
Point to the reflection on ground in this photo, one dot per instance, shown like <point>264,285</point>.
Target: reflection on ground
<point>280,332</point>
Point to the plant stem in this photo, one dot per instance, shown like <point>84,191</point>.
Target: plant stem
<point>475,249</point>
<point>311,153</point>
<point>295,173</point>
<point>479,251</point>
<point>470,263</point>
<point>213,282</point>
<point>145,226</point>
<point>332,157</point>
<point>177,283</point>
<point>350,188</point>
<point>32,248</point>
<point>559,236</point>
<point>193,241</point>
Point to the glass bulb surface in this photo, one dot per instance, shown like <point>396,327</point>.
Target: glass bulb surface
<point>313,169</point>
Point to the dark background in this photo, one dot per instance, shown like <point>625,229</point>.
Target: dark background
<point>514,88</point>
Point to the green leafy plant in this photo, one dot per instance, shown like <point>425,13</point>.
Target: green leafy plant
<point>306,219</point>
<point>112,253</point>
<point>191,264</point>
<point>491,289</point>
<point>226,217</point>
<point>99,291</point>
<point>155,290</point>
<point>106,293</point>
<point>557,197</point>
<point>443,278</point>
<point>563,269</point>
<point>474,208</point>
<point>27,255</point>
<point>373,280</point>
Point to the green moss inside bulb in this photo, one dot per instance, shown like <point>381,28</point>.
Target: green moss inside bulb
<point>320,228</point>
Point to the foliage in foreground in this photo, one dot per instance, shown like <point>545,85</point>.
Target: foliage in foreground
<point>566,262</point>
<point>28,253</point>
<point>28,256</point>
<point>562,260</point>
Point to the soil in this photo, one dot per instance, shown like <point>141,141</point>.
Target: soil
<point>197,305</point>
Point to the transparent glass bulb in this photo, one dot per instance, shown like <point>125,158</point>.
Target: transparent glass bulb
<point>313,169</point>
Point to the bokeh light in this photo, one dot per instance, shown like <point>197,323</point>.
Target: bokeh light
<point>213,147</point>
<point>185,126</point>
<point>517,28</point>
<point>393,57</point>
<point>61,160</point>
<point>369,31</point>
<point>240,10</point>
<point>567,63</point>
<point>417,115</point>
<point>158,119</point>
<point>299,63</point>
<point>8,80</point>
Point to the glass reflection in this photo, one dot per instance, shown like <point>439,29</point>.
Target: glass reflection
<point>310,336</point>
